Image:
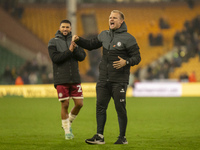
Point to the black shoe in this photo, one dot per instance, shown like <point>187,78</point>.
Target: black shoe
<point>96,139</point>
<point>121,140</point>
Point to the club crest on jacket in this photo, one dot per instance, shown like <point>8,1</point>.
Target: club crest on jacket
<point>119,44</point>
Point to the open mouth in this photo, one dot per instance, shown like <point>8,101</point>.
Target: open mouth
<point>112,24</point>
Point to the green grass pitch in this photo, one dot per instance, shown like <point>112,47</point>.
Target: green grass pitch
<point>153,124</point>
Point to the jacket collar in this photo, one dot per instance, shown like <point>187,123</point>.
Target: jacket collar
<point>60,35</point>
<point>122,28</point>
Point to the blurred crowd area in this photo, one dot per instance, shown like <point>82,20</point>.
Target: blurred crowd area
<point>186,45</point>
<point>29,73</point>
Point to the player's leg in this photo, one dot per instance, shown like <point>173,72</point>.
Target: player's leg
<point>76,94</point>
<point>103,91</point>
<point>63,96</point>
<point>78,104</point>
<point>64,109</point>
<point>119,96</point>
<point>65,116</point>
<point>103,98</point>
<point>65,120</point>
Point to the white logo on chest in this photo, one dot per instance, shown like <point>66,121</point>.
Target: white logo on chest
<point>119,44</point>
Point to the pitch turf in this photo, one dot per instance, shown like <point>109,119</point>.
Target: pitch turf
<point>153,123</point>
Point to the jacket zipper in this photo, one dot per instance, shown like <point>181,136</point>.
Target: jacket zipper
<point>112,36</point>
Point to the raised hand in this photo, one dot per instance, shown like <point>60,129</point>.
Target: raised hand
<point>75,38</point>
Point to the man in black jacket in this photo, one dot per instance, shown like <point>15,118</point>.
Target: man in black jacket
<point>65,56</point>
<point>120,51</point>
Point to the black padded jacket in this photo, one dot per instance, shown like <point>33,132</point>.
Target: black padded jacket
<point>115,43</point>
<point>65,62</point>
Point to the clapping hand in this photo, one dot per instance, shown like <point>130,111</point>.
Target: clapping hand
<point>72,46</point>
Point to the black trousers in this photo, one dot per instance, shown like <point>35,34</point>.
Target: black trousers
<point>106,90</point>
